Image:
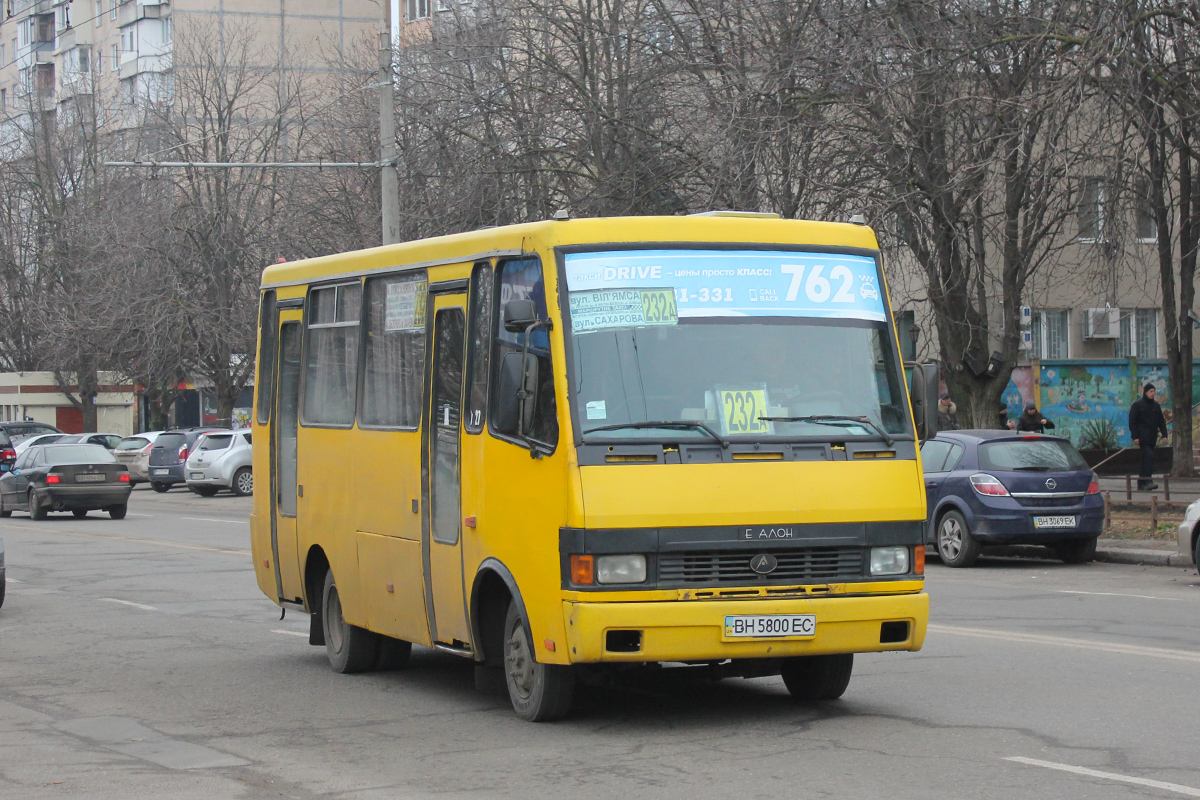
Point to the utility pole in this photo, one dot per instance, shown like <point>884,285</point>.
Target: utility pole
<point>389,177</point>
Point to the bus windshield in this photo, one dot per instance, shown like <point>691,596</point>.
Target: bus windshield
<point>750,344</point>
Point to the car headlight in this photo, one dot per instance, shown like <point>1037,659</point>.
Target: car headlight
<point>889,560</point>
<point>621,569</point>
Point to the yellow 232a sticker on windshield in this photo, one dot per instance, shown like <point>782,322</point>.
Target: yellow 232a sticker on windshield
<point>741,409</point>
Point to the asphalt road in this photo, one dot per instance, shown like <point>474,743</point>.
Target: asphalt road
<point>138,659</point>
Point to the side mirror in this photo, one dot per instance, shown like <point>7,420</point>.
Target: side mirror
<point>519,315</point>
<point>923,392</point>
<point>517,400</point>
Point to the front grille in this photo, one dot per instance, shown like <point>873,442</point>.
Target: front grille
<point>801,565</point>
<point>1050,502</point>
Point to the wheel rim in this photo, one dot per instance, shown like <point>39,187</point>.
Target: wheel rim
<point>519,661</point>
<point>245,482</point>
<point>950,536</point>
<point>33,503</point>
<point>333,621</point>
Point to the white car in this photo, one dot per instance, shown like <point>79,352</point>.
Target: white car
<point>221,460</point>
<point>1189,534</point>
<point>134,453</point>
<point>41,438</point>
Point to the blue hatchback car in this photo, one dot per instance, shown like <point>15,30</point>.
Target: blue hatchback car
<point>997,488</point>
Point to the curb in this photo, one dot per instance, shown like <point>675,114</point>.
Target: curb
<point>1150,558</point>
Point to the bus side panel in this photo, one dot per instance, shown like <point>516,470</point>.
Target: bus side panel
<point>387,481</point>
<point>392,589</point>
<point>325,510</point>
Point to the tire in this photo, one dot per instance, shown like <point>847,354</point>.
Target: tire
<point>955,544</point>
<point>4,512</point>
<point>1,587</point>
<point>393,654</point>
<point>79,513</point>
<point>243,482</point>
<point>350,648</point>
<point>1076,551</point>
<point>118,512</point>
<point>538,692</point>
<point>160,487</point>
<point>204,491</point>
<point>1195,553</point>
<point>36,509</point>
<point>814,678</point>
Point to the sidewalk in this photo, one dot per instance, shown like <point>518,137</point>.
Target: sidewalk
<point>1150,552</point>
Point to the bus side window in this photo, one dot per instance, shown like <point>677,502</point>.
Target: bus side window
<point>522,280</point>
<point>268,320</point>
<point>483,284</point>
<point>394,351</point>
<point>332,355</point>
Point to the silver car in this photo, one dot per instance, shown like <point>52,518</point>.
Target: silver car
<point>134,453</point>
<point>221,460</point>
<point>1189,534</point>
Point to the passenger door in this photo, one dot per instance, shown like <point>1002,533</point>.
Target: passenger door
<point>284,547</point>
<point>446,599</point>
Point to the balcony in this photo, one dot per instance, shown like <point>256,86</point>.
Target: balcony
<point>129,13</point>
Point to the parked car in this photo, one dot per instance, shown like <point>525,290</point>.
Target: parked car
<point>61,477</point>
<point>221,460</point>
<point>168,456</point>
<point>17,431</point>
<point>998,488</point>
<point>106,440</point>
<point>1189,534</point>
<point>134,453</point>
<point>8,453</point>
<point>41,438</point>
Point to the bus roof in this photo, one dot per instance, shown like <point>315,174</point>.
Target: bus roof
<point>526,237</point>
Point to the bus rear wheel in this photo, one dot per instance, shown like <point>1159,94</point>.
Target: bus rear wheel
<point>350,648</point>
<point>538,692</point>
<point>811,678</point>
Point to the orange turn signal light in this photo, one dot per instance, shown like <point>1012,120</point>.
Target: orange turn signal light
<point>919,560</point>
<point>583,570</point>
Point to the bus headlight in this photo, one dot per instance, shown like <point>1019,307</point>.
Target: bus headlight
<point>889,560</point>
<point>621,569</point>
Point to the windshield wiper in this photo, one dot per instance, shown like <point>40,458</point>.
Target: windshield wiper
<point>667,424</point>
<point>835,419</point>
<point>1030,469</point>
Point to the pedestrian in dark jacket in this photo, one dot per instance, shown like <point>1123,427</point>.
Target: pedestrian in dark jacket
<point>1146,422</point>
<point>1032,420</point>
<point>947,413</point>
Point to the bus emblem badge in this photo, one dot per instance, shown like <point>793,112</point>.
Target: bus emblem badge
<point>764,563</point>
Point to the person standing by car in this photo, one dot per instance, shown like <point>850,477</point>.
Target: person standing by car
<point>947,413</point>
<point>1032,420</point>
<point>1146,421</point>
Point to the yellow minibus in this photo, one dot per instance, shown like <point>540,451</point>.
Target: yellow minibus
<point>600,442</point>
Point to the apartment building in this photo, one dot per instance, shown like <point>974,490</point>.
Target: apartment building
<point>120,51</point>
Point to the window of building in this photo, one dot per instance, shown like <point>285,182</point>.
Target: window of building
<point>522,280</point>
<point>3,54</point>
<point>479,341</point>
<point>129,38</point>
<point>167,30</point>
<point>417,9</point>
<point>99,62</point>
<point>394,351</point>
<point>116,57</point>
<point>24,81</point>
<point>1050,334</point>
<point>1091,210</point>
<point>82,62</point>
<point>128,90</point>
<point>3,99</point>
<point>100,12</point>
<point>112,8</point>
<point>1139,334</point>
<point>1147,224</point>
<point>331,366</point>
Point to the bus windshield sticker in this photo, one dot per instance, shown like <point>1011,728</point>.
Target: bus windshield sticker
<point>725,283</point>
<point>741,408</point>
<point>594,310</point>
<point>404,306</point>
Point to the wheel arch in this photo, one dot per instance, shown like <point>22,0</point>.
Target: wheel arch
<point>494,586</point>
<point>316,564</point>
<point>949,504</point>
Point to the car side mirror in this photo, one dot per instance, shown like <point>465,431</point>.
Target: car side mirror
<point>517,399</point>
<point>519,315</point>
<point>922,393</point>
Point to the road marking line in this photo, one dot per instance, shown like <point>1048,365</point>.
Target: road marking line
<point>291,633</point>
<point>1062,641</point>
<point>237,551</point>
<point>1111,776</point>
<point>1117,594</point>
<point>128,603</point>
<point>208,519</point>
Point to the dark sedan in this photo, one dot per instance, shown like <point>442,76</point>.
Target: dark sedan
<point>997,488</point>
<point>65,477</point>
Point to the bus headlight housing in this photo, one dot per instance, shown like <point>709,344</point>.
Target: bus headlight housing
<point>621,569</point>
<point>889,560</point>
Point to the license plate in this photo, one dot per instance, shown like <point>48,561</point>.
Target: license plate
<point>1054,522</point>
<point>160,471</point>
<point>3,467</point>
<point>770,626</point>
<point>197,476</point>
<point>95,478</point>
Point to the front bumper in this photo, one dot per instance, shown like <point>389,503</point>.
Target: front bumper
<point>683,630</point>
<point>1184,533</point>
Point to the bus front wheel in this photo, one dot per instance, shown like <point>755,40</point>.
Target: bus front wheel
<point>539,692</point>
<point>811,678</point>
<point>350,648</point>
